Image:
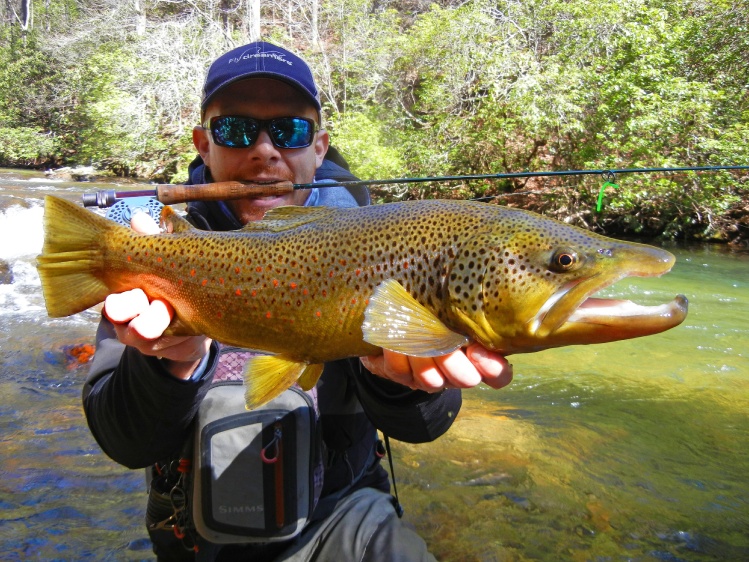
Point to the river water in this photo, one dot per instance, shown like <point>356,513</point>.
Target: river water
<point>635,450</point>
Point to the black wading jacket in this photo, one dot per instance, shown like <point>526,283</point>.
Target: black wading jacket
<point>140,415</point>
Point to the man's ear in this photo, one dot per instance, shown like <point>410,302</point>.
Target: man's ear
<point>321,147</point>
<point>202,143</point>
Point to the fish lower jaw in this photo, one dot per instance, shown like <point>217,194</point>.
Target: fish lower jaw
<point>602,320</point>
<point>610,311</point>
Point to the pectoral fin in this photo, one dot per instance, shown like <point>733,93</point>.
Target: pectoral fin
<point>396,321</point>
<point>267,376</point>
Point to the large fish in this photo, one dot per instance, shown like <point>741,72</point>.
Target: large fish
<point>315,284</point>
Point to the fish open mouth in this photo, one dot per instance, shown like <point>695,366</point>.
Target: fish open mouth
<point>571,314</point>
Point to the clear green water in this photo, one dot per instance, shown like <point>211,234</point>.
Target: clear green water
<point>634,450</point>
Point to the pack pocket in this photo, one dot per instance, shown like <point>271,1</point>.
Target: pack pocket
<point>254,471</point>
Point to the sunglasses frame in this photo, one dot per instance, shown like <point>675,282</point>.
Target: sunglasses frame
<point>263,124</point>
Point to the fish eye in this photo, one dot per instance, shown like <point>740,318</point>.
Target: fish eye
<point>564,260</point>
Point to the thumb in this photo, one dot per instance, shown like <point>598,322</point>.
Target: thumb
<point>142,223</point>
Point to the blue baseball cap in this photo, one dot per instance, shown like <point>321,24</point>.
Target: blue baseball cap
<point>260,60</point>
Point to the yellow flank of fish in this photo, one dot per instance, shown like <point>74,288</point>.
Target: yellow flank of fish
<point>313,284</point>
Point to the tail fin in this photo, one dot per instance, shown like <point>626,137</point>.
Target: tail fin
<point>71,258</point>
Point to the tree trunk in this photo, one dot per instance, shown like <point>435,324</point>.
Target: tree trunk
<point>25,18</point>
<point>140,15</point>
<point>315,7</point>
<point>253,20</point>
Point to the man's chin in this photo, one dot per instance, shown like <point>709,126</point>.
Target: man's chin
<point>270,201</point>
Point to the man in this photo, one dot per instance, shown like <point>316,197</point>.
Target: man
<point>261,118</point>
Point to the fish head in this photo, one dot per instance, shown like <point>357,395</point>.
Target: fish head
<point>530,287</point>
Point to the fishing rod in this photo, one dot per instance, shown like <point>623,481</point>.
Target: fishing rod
<point>222,191</point>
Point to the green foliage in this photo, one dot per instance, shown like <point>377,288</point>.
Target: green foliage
<point>418,89</point>
<point>24,146</point>
<point>362,140</point>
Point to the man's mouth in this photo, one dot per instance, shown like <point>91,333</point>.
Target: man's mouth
<point>264,196</point>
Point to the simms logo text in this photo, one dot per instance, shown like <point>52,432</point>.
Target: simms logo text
<point>234,509</point>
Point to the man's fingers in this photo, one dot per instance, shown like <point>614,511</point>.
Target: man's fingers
<point>495,369</point>
<point>458,370</point>
<point>151,323</point>
<point>121,308</point>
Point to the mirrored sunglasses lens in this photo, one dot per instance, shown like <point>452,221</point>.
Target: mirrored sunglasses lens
<point>234,131</point>
<point>291,132</point>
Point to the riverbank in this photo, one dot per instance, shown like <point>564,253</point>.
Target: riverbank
<point>662,218</point>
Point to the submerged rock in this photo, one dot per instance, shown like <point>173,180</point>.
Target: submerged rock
<point>6,273</point>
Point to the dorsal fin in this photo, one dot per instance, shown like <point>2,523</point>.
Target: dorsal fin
<point>285,218</point>
<point>174,222</point>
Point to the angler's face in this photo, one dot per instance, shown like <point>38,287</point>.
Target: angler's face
<point>261,162</point>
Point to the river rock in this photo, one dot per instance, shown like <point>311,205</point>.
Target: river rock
<point>79,173</point>
<point>6,273</point>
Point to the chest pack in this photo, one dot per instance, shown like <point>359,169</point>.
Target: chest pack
<point>245,476</point>
<point>256,475</point>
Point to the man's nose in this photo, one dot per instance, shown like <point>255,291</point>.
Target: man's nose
<point>264,147</point>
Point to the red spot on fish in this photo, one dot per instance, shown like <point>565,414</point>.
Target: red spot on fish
<point>275,282</point>
<point>159,259</point>
<point>318,314</point>
<point>180,282</point>
<point>342,262</point>
<point>358,272</point>
<point>292,285</point>
<point>238,292</point>
<point>205,282</point>
<point>253,293</point>
<point>405,265</point>
<point>268,314</point>
<point>258,269</point>
<point>353,301</point>
<point>331,273</point>
<point>324,293</point>
<point>305,292</point>
<point>173,265</point>
<point>192,273</point>
<point>221,280</point>
<point>219,315</point>
<point>236,269</point>
<point>129,258</point>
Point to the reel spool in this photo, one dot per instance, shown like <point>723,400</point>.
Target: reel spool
<point>122,211</point>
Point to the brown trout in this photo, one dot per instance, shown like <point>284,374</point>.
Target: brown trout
<point>314,284</point>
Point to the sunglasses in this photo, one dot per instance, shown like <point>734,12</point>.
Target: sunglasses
<point>242,132</point>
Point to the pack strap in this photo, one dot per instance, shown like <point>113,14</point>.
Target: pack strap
<point>396,502</point>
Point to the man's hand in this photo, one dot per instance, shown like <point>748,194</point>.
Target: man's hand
<point>459,369</point>
<point>141,324</point>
